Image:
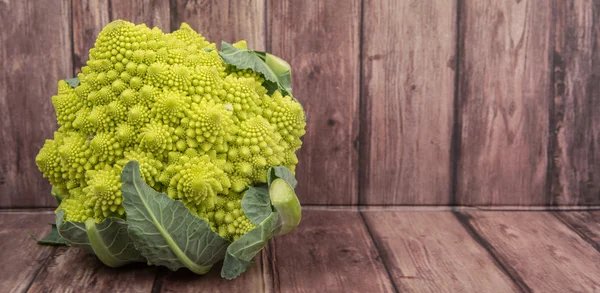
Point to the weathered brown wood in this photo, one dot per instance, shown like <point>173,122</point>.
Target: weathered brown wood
<point>89,17</point>
<point>585,223</point>
<point>331,251</point>
<point>504,98</point>
<point>256,279</point>
<point>432,252</point>
<point>543,252</point>
<point>321,42</point>
<point>228,21</point>
<point>21,257</point>
<point>576,178</point>
<point>407,101</point>
<point>150,12</point>
<point>35,53</point>
<point>72,270</point>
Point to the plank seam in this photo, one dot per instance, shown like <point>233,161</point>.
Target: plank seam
<point>551,190</point>
<point>456,137</point>
<point>72,32</point>
<point>577,231</point>
<point>173,15</point>
<point>365,116</point>
<point>157,283</point>
<point>510,272</point>
<point>271,255</point>
<point>379,249</point>
<point>40,268</point>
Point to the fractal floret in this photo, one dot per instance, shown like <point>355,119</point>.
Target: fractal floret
<point>164,133</point>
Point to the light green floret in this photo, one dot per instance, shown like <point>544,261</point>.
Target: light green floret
<point>202,131</point>
<point>197,181</point>
<point>227,217</point>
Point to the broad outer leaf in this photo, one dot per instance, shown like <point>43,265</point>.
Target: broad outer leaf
<point>241,252</point>
<point>75,233</point>
<point>164,230</point>
<point>283,173</point>
<point>74,82</point>
<point>256,204</point>
<point>52,238</point>
<point>111,242</point>
<point>108,240</point>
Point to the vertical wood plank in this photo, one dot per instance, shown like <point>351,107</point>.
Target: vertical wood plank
<point>89,17</point>
<point>21,257</point>
<point>320,39</point>
<point>576,178</point>
<point>35,53</point>
<point>228,21</point>
<point>331,251</point>
<point>432,252</point>
<point>504,102</point>
<point>255,279</point>
<point>585,223</point>
<point>72,270</point>
<point>407,101</point>
<point>150,12</point>
<point>546,254</point>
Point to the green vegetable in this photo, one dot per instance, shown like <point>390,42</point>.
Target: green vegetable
<point>169,151</point>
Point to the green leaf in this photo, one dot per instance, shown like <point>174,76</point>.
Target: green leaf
<point>56,195</point>
<point>74,82</point>
<point>52,238</point>
<point>164,230</point>
<point>283,173</point>
<point>108,240</point>
<point>73,232</point>
<point>241,252</point>
<point>256,204</point>
<point>111,242</point>
<point>287,205</point>
<point>276,71</point>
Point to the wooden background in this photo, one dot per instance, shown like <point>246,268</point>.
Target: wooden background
<point>432,102</point>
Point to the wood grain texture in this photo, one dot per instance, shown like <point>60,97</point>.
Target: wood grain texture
<point>150,12</point>
<point>504,102</point>
<point>21,257</point>
<point>432,252</point>
<point>546,254</point>
<point>255,279</point>
<point>331,251</point>
<point>576,178</point>
<point>228,21</point>
<point>407,101</point>
<point>35,52</point>
<point>320,39</point>
<point>89,17</point>
<point>72,270</point>
<point>585,223</point>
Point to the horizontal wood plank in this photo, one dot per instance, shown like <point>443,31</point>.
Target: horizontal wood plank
<point>585,223</point>
<point>21,258</point>
<point>228,21</point>
<point>408,101</point>
<point>542,251</point>
<point>331,251</point>
<point>256,279</point>
<point>72,270</point>
<point>321,41</point>
<point>432,252</point>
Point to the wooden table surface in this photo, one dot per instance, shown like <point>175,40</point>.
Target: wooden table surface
<point>346,250</point>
